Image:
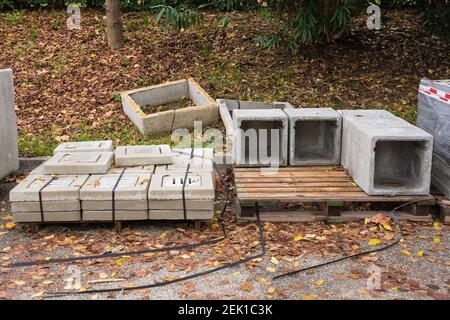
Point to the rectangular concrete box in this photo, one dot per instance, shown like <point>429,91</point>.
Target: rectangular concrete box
<point>166,186</point>
<point>314,136</point>
<point>130,187</point>
<point>85,146</point>
<point>205,108</point>
<point>384,154</point>
<point>260,137</point>
<point>9,155</point>
<point>226,108</point>
<point>61,188</point>
<point>79,163</point>
<point>143,155</point>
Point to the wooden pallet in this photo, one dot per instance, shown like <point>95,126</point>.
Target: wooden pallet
<point>329,187</point>
<point>444,204</point>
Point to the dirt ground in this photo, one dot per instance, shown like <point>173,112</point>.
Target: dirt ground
<point>416,268</point>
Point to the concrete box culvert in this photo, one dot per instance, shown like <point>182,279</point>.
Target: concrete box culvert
<point>204,109</point>
<point>384,154</point>
<point>260,138</point>
<point>314,136</point>
<point>226,108</point>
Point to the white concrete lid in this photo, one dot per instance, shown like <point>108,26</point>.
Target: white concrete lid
<point>130,187</point>
<point>169,186</point>
<point>61,188</point>
<point>79,163</point>
<point>143,155</point>
<point>85,146</point>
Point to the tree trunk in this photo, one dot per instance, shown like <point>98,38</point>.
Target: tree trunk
<point>114,28</point>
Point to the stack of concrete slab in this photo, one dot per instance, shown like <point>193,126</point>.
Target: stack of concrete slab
<point>384,154</point>
<point>9,155</point>
<point>198,160</point>
<point>143,155</point>
<point>58,201</point>
<point>117,197</point>
<point>177,196</point>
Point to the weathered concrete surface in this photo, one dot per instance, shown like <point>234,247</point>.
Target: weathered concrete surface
<point>120,215</point>
<point>56,216</point>
<point>130,187</point>
<point>85,146</point>
<point>52,206</point>
<point>95,205</point>
<point>79,163</point>
<point>135,169</point>
<point>384,154</point>
<point>9,155</point>
<point>143,155</point>
<point>205,108</point>
<point>201,161</point>
<point>179,214</point>
<point>169,186</point>
<point>226,107</point>
<point>200,205</point>
<point>62,188</point>
<point>314,136</point>
<point>267,134</point>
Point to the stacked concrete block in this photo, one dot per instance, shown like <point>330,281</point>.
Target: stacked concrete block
<point>85,146</point>
<point>384,154</point>
<point>166,196</point>
<point>9,155</point>
<point>204,109</point>
<point>129,201</point>
<point>314,136</point>
<point>260,137</point>
<point>226,109</point>
<point>79,163</point>
<point>201,160</point>
<point>59,199</point>
<point>143,155</point>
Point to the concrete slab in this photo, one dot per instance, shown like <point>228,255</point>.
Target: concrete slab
<point>48,206</point>
<point>79,163</point>
<point>205,108</point>
<point>85,146</point>
<point>179,214</point>
<point>384,154</point>
<point>39,169</point>
<point>120,215</point>
<point>201,161</point>
<point>314,136</point>
<point>95,205</point>
<point>62,188</point>
<point>9,155</point>
<point>200,205</point>
<point>260,138</point>
<point>130,187</point>
<point>136,169</point>
<point>61,216</point>
<point>169,186</point>
<point>143,155</point>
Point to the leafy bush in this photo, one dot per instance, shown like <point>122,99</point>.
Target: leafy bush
<point>436,16</point>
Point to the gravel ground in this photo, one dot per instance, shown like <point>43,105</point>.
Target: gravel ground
<point>403,276</point>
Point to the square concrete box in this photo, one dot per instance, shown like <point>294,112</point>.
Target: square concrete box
<point>314,136</point>
<point>204,109</point>
<point>226,108</point>
<point>143,155</point>
<point>384,154</point>
<point>9,155</point>
<point>79,163</point>
<point>260,137</point>
<point>85,146</point>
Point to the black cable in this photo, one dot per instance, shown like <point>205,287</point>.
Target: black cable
<point>41,205</point>
<point>396,222</point>
<point>114,195</point>
<point>183,195</point>
<point>166,283</point>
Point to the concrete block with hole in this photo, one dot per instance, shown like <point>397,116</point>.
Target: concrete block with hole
<point>260,137</point>
<point>168,188</point>
<point>143,155</point>
<point>226,109</point>
<point>202,107</point>
<point>85,146</point>
<point>9,155</point>
<point>384,154</point>
<point>79,163</point>
<point>314,136</point>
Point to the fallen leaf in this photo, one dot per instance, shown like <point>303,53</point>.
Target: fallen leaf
<point>271,290</point>
<point>374,242</point>
<point>319,282</point>
<point>405,252</point>
<point>437,240</point>
<point>246,287</point>
<point>274,261</point>
<point>420,253</point>
<point>271,269</point>
<point>10,225</point>
<point>310,297</point>
<point>298,237</point>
